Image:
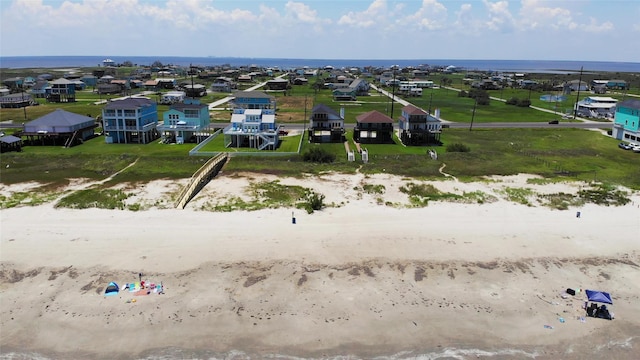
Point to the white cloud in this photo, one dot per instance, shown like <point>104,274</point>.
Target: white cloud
<point>432,15</point>
<point>596,27</point>
<point>301,12</point>
<point>374,15</point>
<point>535,15</point>
<point>500,18</point>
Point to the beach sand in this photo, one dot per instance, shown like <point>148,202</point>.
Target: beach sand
<point>367,277</point>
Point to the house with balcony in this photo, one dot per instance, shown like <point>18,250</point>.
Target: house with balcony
<point>61,128</point>
<point>253,122</point>
<point>373,127</point>
<point>418,128</point>
<point>596,107</point>
<point>17,100</point>
<point>626,125</point>
<point>325,125</point>
<point>62,90</point>
<point>132,120</point>
<point>41,89</point>
<point>185,121</point>
<point>617,85</point>
<point>344,94</point>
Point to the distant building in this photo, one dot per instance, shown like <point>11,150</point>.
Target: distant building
<point>277,84</point>
<point>131,120</point>
<point>10,143</point>
<point>617,85</point>
<point>626,124</point>
<point>172,97</point>
<point>62,90</point>
<point>17,100</point>
<point>596,107</point>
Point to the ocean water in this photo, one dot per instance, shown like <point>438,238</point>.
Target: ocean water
<point>559,66</point>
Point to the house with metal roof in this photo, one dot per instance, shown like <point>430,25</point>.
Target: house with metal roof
<point>185,121</point>
<point>626,125</point>
<point>62,90</point>
<point>373,127</point>
<point>617,84</point>
<point>59,127</point>
<point>417,127</point>
<point>253,122</point>
<point>326,125</point>
<point>41,89</point>
<point>10,143</point>
<point>17,100</point>
<point>596,107</point>
<point>133,120</point>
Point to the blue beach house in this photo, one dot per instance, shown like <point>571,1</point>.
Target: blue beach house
<point>184,121</point>
<point>253,122</point>
<point>626,125</point>
<point>130,120</point>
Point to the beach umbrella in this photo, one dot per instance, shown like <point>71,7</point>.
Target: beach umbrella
<point>599,296</point>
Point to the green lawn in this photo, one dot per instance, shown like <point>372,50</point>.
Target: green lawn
<point>554,153</point>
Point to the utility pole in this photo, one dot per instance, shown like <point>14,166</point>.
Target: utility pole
<point>575,108</point>
<point>24,107</point>
<point>473,113</point>
<point>393,92</point>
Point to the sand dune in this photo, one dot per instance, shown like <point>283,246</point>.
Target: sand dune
<point>360,279</point>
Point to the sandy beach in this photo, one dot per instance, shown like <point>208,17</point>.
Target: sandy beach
<point>369,276</point>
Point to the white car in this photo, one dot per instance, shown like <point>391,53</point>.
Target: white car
<point>636,149</point>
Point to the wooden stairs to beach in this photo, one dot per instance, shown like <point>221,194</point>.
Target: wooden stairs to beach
<point>200,178</point>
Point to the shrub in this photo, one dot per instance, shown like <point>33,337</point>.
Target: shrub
<point>513,101</point>
<point>318,155</point>
<point>313,202</point>
<point>463,94</point>
<point>458,147</point>
<point>524,103</point>
<point>480,95</point>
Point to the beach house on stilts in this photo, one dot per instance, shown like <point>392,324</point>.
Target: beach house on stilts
<point>253,122</point>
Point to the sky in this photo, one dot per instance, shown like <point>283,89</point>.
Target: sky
<point>589,30</point>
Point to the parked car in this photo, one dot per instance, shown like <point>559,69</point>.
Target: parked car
<point>625,146</point>
<point>636,149</point>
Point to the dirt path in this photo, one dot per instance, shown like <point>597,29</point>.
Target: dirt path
<point>445,174</point>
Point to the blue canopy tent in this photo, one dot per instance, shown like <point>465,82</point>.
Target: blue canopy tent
<point>112,289</point>
<point>599,296</point>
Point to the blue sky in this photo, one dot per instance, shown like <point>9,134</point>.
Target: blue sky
<point>598,30</point>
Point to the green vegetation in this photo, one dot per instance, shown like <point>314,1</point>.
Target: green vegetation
<point>600,194</point>
<point>556,154</point>
<point>94,198</point>
<point>519,195</point>
<point>458,147</point>
<point>373,189</point>
<point>317,154</point>
<point>272,194</point>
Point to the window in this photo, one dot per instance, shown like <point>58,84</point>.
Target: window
<point>191,113</point>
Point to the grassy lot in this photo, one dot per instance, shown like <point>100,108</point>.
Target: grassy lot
<point>558,154</point>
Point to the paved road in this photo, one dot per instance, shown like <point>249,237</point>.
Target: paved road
<point>498,125</point>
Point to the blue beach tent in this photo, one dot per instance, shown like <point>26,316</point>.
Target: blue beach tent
<point>599,296</point>
<point>112,289</point>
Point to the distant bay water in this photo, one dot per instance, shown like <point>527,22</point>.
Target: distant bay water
<point>549,66</point>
